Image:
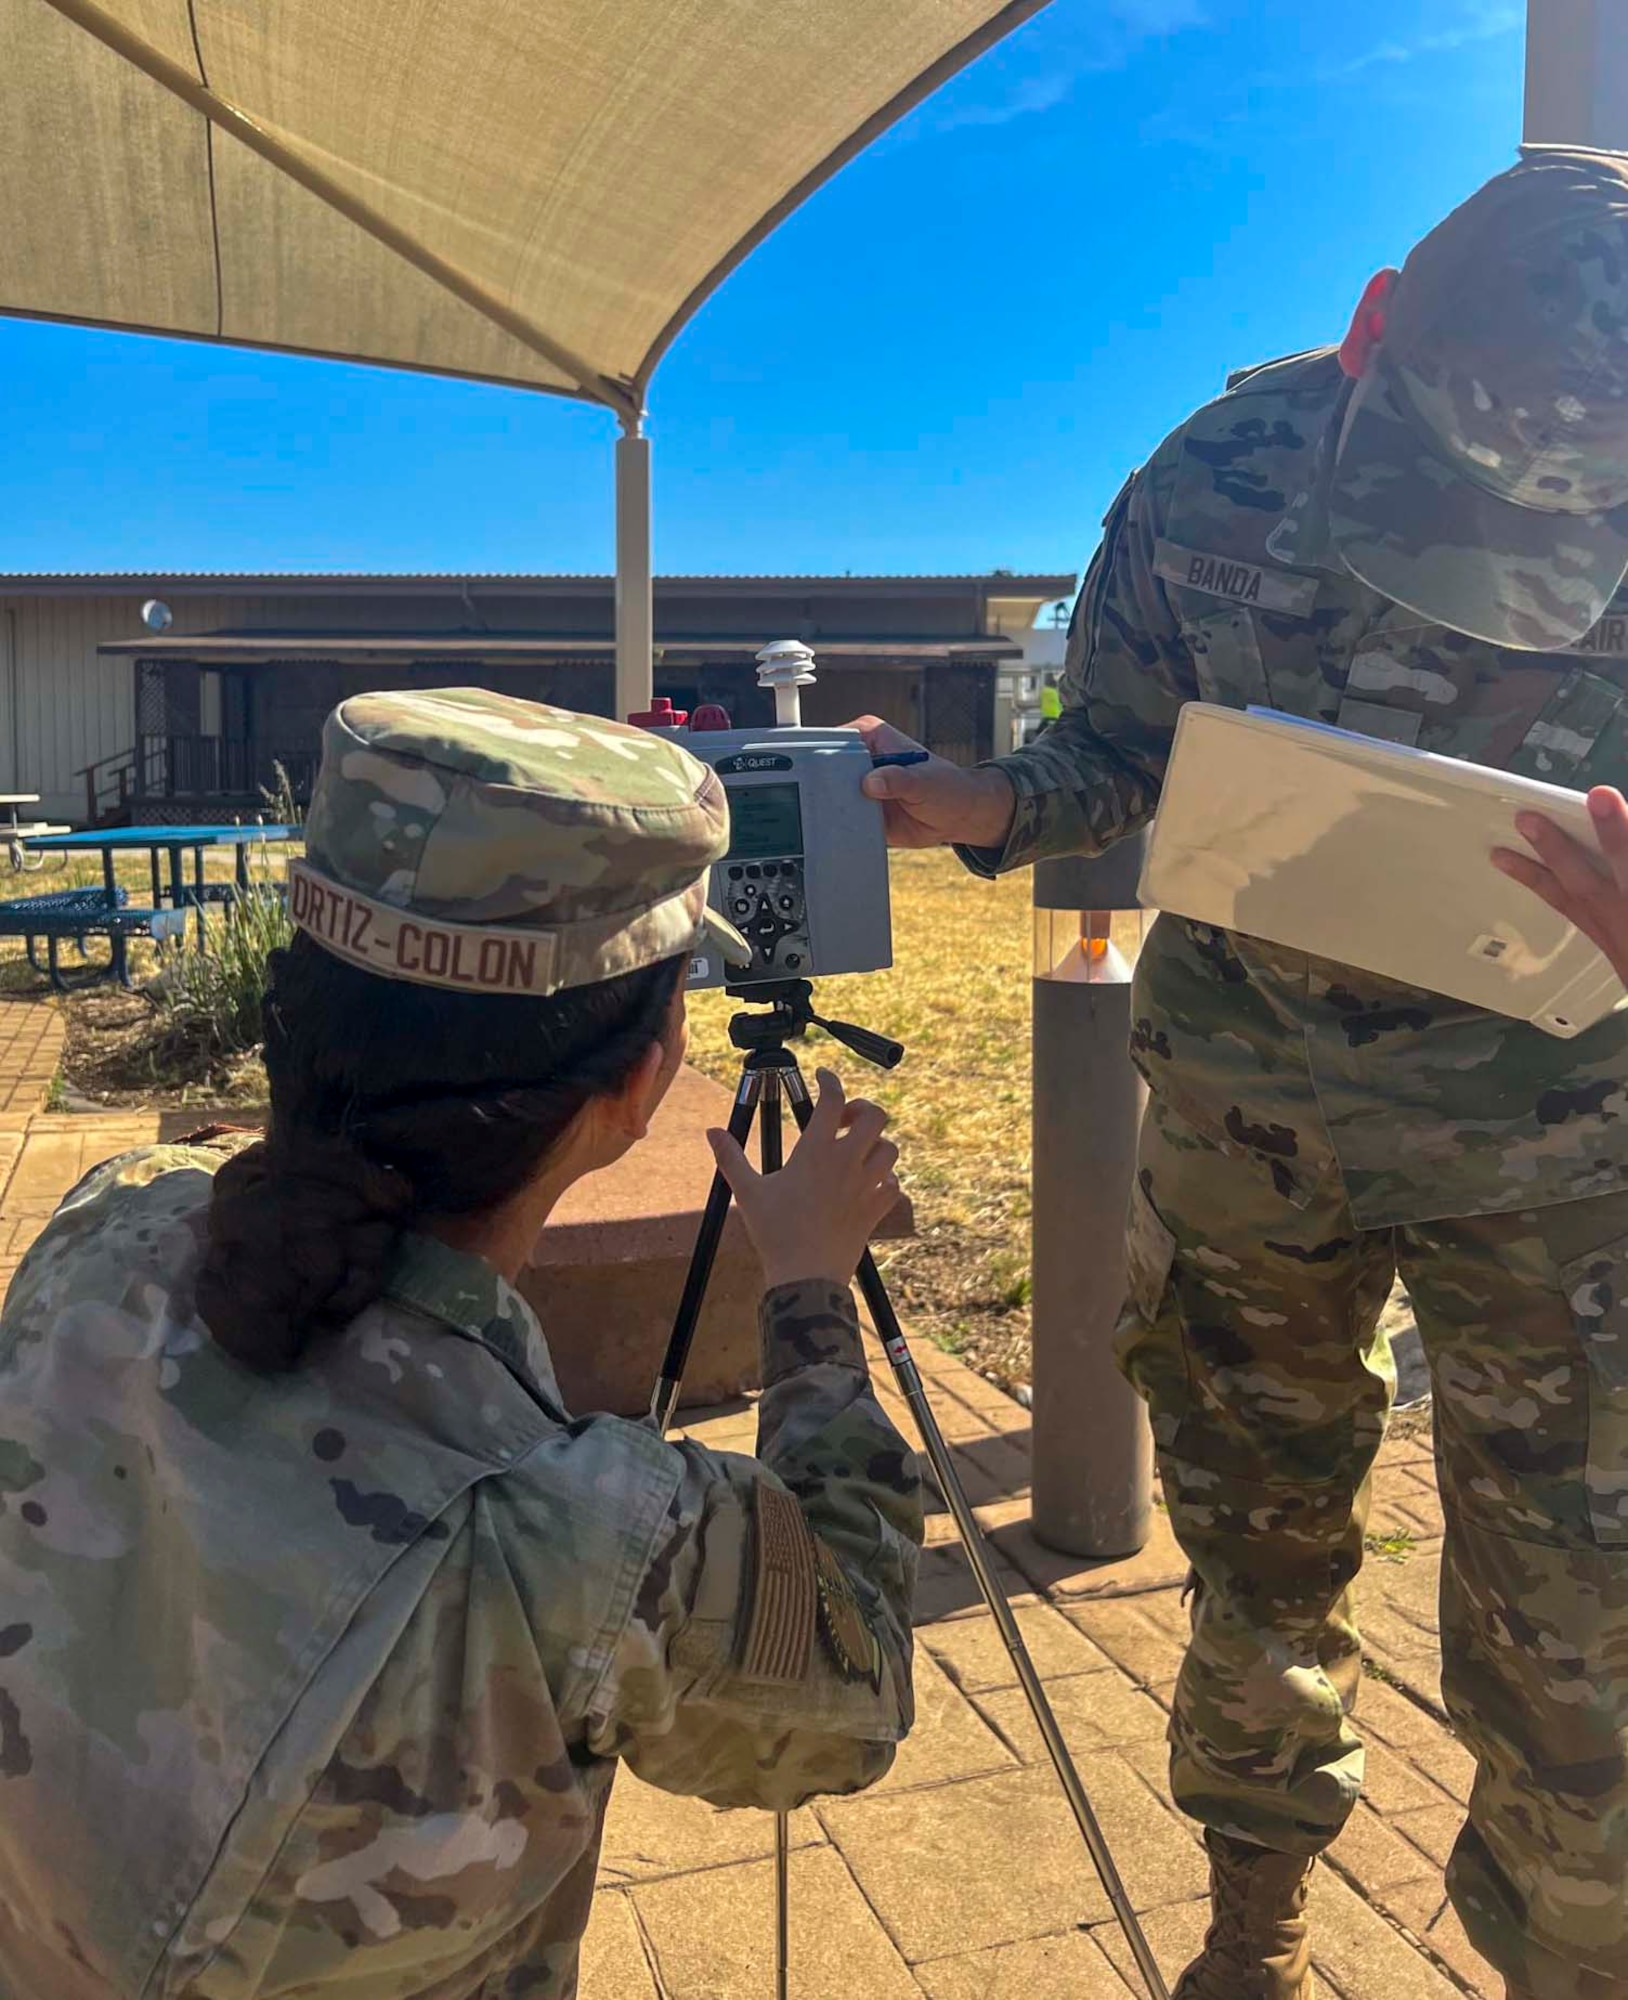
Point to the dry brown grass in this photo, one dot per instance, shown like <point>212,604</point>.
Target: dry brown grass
<point>958,998</point>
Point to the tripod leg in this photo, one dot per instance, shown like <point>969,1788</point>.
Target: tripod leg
<point>782,1907</point>
<point>771,1139</point>
<point>908,1377</point>
<point>708,1237</point>
<point>972,1540</point>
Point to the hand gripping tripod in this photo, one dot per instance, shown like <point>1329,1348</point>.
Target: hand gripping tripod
<point>769,1077</point>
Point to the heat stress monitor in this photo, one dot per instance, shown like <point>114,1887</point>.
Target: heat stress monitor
<point>805,879</point>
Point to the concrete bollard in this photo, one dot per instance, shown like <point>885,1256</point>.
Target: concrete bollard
<point>1093,1451</point>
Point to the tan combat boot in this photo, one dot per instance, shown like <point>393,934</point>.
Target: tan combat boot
<point>1257,1947</point>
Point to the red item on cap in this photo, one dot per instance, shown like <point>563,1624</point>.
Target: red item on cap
<point>661,714</point>
<point>711,715</point>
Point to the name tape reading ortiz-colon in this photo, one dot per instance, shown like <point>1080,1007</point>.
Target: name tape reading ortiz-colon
<point>480,959</point>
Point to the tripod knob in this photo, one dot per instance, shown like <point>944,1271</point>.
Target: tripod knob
<point>865,1042</point>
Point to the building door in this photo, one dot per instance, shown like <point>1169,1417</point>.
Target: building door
<point>210,758</point>
<point>958,719</point>
<point>209,704</point>
<point>681,689</point>
<point>234,706</point>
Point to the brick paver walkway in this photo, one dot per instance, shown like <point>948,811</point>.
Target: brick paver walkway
<point>31,1036</point>
<point>961,1877</point>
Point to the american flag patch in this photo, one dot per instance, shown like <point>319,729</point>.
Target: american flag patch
<point>781,1611</point>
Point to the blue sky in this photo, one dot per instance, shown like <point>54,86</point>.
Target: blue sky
<point>948,360</point>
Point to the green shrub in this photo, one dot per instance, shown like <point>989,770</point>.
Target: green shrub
<point>210,997</point>
<point>281,805</point>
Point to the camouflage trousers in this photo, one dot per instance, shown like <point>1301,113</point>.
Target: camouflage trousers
<point>1254,1334</point>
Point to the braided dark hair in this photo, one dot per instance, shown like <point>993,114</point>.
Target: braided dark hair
<point>392,1103</point>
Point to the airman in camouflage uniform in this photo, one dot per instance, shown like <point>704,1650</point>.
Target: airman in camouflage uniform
<point>1417,537</point>
<point>318,1683</point>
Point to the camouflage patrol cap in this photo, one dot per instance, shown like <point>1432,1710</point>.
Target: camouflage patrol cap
<point>1481,477</point>
<point>467,840</point>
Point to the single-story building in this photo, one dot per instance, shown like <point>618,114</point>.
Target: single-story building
<point>111,718</point>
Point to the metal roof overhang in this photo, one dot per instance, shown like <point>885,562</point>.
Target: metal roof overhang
<point>997,587</point>
<point>267,649</point>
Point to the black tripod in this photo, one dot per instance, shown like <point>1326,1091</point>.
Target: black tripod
<point>770,1076</point>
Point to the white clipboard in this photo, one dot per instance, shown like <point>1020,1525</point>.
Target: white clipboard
<point>1374,855</point>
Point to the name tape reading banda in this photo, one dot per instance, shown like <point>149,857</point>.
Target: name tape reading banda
<point>480,959</point>
<point>1244,582</point>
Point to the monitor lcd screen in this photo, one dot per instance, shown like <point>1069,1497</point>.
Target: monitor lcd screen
<point>765,821</point>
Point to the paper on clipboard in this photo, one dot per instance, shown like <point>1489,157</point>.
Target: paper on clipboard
<point>1373,854</point>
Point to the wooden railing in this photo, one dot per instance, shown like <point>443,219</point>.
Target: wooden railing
<point>107,787</point>
<point>193,768</point>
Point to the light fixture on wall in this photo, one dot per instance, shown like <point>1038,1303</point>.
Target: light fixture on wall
<point>157,616</point>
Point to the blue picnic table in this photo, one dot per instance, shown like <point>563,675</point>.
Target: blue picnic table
<point>79,913</point>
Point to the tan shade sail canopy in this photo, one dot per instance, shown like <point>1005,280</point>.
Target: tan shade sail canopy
<point>537,192</point>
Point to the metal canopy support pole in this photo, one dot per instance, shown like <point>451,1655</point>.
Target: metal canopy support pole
<point>1577,73</point>
<point>1093,1449</point>
<point>635,600</point>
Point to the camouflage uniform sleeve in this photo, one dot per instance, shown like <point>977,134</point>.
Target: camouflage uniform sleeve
<point>768,1655</point>
<point>1095,774</point>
